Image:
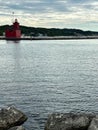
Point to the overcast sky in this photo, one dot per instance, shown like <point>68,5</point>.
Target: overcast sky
<point>81,14</point>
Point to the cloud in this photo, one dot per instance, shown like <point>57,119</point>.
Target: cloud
<point>51,13</point>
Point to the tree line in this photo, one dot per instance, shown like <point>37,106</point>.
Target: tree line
<point>34,31</point>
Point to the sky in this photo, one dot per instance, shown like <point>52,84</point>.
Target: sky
<point>79,14</point>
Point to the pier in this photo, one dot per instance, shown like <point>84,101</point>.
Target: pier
<point>51,38</point>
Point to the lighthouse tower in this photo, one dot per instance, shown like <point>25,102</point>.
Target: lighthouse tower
<point>14,32</point>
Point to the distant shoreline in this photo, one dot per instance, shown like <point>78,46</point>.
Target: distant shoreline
<point>52,38</point>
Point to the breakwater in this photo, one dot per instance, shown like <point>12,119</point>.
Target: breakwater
<point>51,38</point>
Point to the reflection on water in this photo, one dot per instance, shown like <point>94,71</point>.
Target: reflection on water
<point>13,41</point>
<point>17,57</point>
<point>41,77</point>
<point>16,50</point>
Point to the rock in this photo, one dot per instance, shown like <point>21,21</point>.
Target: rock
<point>11,117</point>
<point>94,124</point>
<point>68,121</point>
<point>17,128</point>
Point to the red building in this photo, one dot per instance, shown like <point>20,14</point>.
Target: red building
<point>14,31</point>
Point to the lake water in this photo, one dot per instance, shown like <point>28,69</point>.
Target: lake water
<point>42,77</point>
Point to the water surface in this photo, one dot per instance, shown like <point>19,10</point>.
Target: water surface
<point>42,77</point>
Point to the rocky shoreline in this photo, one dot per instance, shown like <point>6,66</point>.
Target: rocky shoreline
<point>12,119</point>
<point>72,121</point>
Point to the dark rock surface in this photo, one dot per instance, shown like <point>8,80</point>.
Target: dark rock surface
<point>94,124</point>
<point>17,128</point>
<point>10,117</point>
<point>69,121</point>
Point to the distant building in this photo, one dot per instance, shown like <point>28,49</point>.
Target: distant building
<point>14,31</point>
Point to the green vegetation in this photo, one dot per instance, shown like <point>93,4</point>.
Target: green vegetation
<point>32,31</point>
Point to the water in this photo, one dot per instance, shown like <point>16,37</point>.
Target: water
<point>42,77</point>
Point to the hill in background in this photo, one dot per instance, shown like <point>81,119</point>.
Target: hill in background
<point>32,31</point>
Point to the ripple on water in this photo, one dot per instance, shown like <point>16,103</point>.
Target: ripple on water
<point>42,77</point>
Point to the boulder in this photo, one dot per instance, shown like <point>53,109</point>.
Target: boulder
<point>68,121</point>
<point>94,124</point>
<point>17,128</point>
<point>10,117</point>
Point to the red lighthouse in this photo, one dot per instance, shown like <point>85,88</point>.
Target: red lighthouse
<point>14,32</point>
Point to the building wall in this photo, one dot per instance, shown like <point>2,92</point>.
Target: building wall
<point>13,33</point>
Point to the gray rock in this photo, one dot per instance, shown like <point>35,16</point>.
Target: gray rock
<point>94,124</point>
<point>17,128</point>
<point>68,121</point>
<point>11,117</point>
